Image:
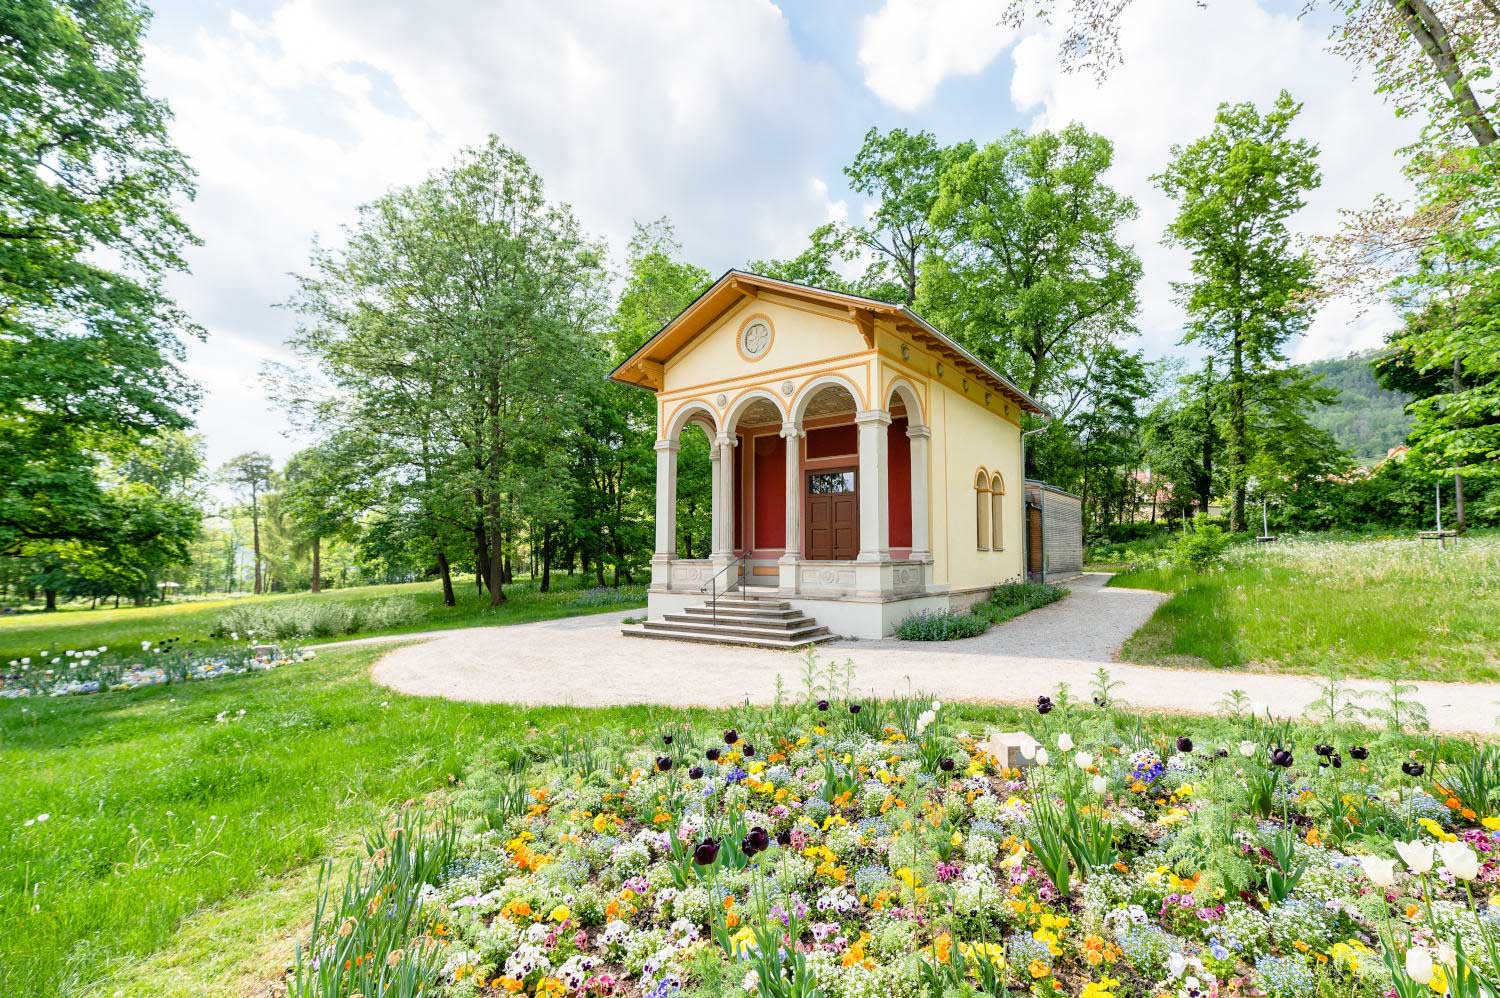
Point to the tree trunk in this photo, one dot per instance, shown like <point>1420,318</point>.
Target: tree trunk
<point>317,565</point>
<point>255,529</point>
<point>1432,35</point>
<point>546,586</point>
<point>1236,441</point>
<point>442,559</point>
<point>1459,522</point>
<point>599,570</point>
<point>481,556</point>
<point>51,595</point>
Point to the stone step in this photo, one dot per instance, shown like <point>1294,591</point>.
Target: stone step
<point>771,625</point>
<point>810,629</point>
<point>745,612</point>
<point>690,637</point>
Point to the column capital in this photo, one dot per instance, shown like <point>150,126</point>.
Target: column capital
<point>873,416</point>
<point>724,440</point>
<point>791,431</point>
<point>918,432</point>
<point>666,446</point>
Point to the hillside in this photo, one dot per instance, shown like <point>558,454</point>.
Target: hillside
<point>1367,419</point>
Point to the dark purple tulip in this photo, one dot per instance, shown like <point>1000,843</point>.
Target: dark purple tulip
<point>756,840</point>
<point>705,852</point>
<point>696,773</point>
<point>1359,752</point>
<point>663,762</point>
<point>783,838</point>
<point>731,736</point>
<point>855,708</point>
<point>1281,757</point>
<point>747,750</point>
<point>1337,760</point>
<point>1184,744</point>
<point>946,765</point>
<point>1223,753</point>
<point>666,739</point>
<point>1044,705</point>
<point>1412,767</point>
<point>822,704</point>
<point>712,755</point>
<point>1324,750</point>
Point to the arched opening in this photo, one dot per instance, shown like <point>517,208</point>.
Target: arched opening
<point>755,422</point>
<point>694,491</point>
<point>982,510</point>
<point>905,413</point>
<point>997,514</point>
<point>829,471</point>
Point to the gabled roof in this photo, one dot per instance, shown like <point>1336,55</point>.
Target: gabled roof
<point>644,367</point>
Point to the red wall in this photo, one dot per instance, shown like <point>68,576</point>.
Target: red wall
<point>898,447</point>
<point>832,441</point>
<point>770,492</point>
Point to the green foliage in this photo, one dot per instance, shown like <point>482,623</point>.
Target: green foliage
<point>1368,419</point>
<point>1200,548</point>
<point>1016,598</point>
<point>942,625</point>
<point>320,619</point>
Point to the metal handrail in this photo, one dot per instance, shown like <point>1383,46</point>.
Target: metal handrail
<point>713,602</point>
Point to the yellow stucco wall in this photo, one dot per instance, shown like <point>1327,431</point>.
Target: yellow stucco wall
<point>971,427</point>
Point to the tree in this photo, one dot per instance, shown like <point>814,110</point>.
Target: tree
<point>321,494</point>
<point>1031,275</point>
<point>1235,189</point>
<point>249,474</point>
<point>88,227</point>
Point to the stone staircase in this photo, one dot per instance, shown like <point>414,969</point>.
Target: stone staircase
<point>741,619</point>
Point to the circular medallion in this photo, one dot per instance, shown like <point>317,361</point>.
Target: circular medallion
<point>755,338</point>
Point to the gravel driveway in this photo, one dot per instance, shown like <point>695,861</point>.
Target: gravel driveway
<point>585,661</point>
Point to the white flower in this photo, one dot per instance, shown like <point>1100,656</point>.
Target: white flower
<point>1042,757</point>
<point>1419,964</point>
<point>234,635</point>
<point>1083,760</point>
<point>1028,750</point>
<point>1176,964</point>
<point>26,660</point>
<point>1381,871</point>
<point>1099,784</point>
<point>1247,748</point>
<point>937,705</point>
<point>1065,742</point>
<point>751,983</point>
<point>103,649</point>
<point>1459,859</point>
<point>145,646</point>
<point>1416,855</point>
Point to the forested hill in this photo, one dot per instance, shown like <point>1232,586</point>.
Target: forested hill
<point>1367,419</point>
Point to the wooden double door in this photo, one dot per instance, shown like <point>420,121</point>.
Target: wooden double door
<point>832,515</point>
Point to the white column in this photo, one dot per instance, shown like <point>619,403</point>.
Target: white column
<point>874,486</point>
<point>666,500</point>
<point>793,542</point>
<point>921,546</point>
<point>724,497</point>
<point>716,499</point>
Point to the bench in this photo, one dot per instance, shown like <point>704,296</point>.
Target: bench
<point>1441,536</point>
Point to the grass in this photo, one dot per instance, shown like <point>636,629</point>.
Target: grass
<point>1381,607</point>
<point>30,633</point>
<point>163,821</point>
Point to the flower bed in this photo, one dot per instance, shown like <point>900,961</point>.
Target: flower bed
<point>848,850</point>
<point>94,670</point>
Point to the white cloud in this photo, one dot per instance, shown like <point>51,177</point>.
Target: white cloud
<point>908,48</point>
<point>1180,62</point>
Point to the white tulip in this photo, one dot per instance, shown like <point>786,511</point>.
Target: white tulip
<point>1099,784</point>
<point>1028,750</point>
<point>1065,742</point>
<point>1381,871</point>
<point>1459,859</point>
<point>1419,965</point>
<point>1416,855</point>
<point>145,646</point>
<point>1042,757</point>
<point>1248,748</point>
<point>1084,760</point>
<point>937,705</point>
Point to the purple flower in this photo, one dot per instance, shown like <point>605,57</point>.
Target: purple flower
<point>706,852</point>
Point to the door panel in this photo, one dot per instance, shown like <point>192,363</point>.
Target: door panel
<point>832,516</point>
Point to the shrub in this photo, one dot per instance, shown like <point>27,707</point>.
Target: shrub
<point>1015,598</point>
<point>316,618</point>
<point>941,625</point>
<point>1200,548</point>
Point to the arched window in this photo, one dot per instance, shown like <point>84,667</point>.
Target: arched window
<point>982,509</point>
<point>997,516</point>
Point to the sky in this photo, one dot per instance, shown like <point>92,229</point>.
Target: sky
<point>733,118</point>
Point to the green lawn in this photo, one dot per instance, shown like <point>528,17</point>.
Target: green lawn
<point>1363,607</point>
<point>31,633</point>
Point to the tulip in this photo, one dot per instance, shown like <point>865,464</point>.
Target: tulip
<point>1413,768</point>
<point>1247,748</point>
<point>1083,760</point>
<point>1065,742</point>
<point>1281,757</point>
<point>822,704</point>
<point>706,852</point>
<point>1042,757</point>
<point>946,764</point>
<point>1459,859</point>
<point>1099,784</point>
<point>666,739</point>
<point>1323,749</point>
<point>696,773</point>
<point>712,755</point>
<point>1184,744</point>
<point>731,736</point>
<point>784,838</point>
<point>1028,750</point>
<point>1419,964</point>
<point>855,708</point>
<point>1416,855</point>
<point>663,762</point>
<point>1381,871</point>
<point>1044,705</point>
<point>747,750</point>
<point>756,840</point>
<point>1359,752</point>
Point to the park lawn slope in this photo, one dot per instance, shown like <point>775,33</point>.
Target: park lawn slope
<point>167,801</point>
<point>1379,608</point>
<point>35,632</point>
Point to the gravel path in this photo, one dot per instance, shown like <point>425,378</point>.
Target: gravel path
<point>587,662</point>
